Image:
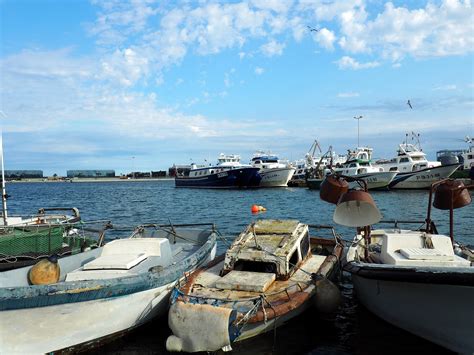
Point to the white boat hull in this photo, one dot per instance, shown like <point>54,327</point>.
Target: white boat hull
<point>378,180</point>
<point>278,177</point>
<point>46,329</point>
<point>422,179</point>
<point>442,314</point>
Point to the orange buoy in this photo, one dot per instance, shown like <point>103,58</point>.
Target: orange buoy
<point>45,271</point>
<point>258,208</point>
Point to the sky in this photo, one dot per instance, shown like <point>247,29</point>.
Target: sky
<point>142,85</point>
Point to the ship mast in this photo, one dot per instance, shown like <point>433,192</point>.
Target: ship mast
<point>4,193</point>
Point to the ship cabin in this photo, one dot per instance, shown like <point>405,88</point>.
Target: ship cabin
<point>196,172</point>
<point>224,163</point>
<point>228,160</point>
<point>265,161</point>
<point>276,248</point>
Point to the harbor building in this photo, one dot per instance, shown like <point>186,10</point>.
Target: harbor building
<point>23,174</point>
<point>90,173</point>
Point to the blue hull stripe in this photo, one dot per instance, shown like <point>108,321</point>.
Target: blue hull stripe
<point>404,176</point>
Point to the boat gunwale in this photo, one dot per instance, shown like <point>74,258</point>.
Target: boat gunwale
<point>23,297</point>
<point>448,275</point>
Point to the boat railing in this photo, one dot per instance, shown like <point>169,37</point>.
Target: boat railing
<point>421,223</point>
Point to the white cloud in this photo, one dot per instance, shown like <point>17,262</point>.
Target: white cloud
<point>449,87</point>
<point>163,35</point>
<point>397,31</point>
<point>278,6</point>
<point>348,94</point>
<point>325,38</point>
<point>350,63</point>
<point>272,48</point>
<point>323,10</point>
<point>259,70</point>
<point>126,67</point>
<point>120,19</point>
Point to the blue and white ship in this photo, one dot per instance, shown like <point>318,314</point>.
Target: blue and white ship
<point>227,173</point>
<point>274,172</point>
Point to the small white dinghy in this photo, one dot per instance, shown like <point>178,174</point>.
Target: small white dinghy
<point>418,280</point>
<point>272,272</point>
<point>101,293</point>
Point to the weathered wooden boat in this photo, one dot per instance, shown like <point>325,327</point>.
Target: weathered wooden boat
<point>25,240</point>
<point>101,293</point>
<point>418,280</point>
<point>272,272</point>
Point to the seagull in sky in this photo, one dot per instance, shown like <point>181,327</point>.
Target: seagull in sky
<point>409,104</point>
<point>311,29</point>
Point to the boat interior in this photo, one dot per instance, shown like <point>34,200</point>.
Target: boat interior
<point>409,248</point>
<point>270,256</point>
<point>140,253</point>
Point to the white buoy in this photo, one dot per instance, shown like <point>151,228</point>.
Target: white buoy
<point>174,343</point>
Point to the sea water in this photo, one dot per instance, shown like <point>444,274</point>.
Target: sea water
<point>351,330</point>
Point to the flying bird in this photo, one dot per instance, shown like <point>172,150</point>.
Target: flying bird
<point>409,104</point>
<point>311,29</point>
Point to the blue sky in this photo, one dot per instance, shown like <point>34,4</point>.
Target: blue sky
<point>88,85</point>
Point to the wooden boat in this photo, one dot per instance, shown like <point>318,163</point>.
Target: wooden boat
<point>419,280</point>
<point>101,293</point>
<point>272,272</point>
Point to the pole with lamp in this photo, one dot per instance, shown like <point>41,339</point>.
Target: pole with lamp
<point>4,193</point>
<point>358,121</point>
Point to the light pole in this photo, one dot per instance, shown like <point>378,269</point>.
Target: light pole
<point>133,167</point>
<point>358,119</point>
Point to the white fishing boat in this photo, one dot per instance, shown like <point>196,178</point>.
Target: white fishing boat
<point>102,293</point>
<point>359,165</point>
<point>272,272</point>
<point>468,155</point>
<point>418,280</point>
<point>274,172</point>
<point>414,171</point>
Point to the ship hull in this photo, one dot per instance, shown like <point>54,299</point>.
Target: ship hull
<point>234,178</point>
<point>422,179</point>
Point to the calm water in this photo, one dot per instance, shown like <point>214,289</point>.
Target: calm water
<point>352,330</point>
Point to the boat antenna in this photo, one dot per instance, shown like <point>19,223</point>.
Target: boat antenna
<point>4,193</point>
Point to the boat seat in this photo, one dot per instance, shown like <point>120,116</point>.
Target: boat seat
<point>425,254</point>
<point>118,261</point>
<point>246,281</point>
<point>119,258</point>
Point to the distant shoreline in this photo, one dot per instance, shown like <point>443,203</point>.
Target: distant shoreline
<point>83,180</point>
